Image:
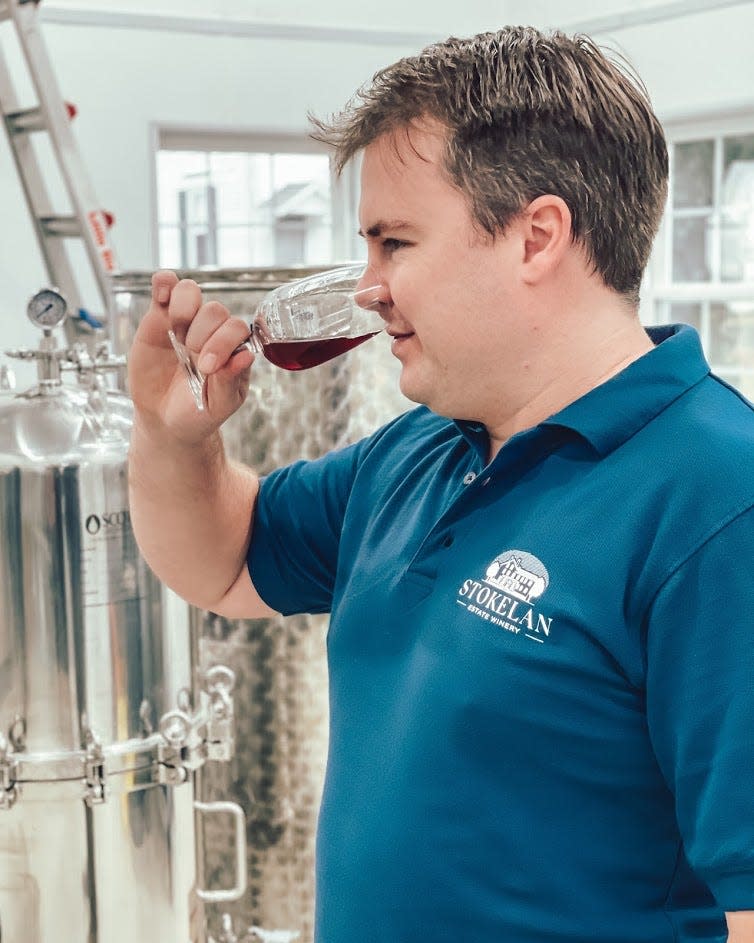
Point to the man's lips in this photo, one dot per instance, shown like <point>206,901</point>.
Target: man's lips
<point>398,340</point>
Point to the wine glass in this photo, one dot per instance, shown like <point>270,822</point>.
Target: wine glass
<point>303,323</point>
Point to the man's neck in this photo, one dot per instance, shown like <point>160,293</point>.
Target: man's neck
<point>570,366</point>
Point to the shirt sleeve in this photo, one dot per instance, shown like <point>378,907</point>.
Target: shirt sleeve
<point>295,540</point>
<point>700,706</point>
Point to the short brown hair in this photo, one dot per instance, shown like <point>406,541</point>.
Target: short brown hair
<point>528,113</point>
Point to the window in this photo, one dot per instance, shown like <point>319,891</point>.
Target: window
<point>703,270</point>
<point>241,201</point>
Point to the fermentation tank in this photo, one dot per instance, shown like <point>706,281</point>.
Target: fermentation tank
<point>104,719</point>
<point>281,689</point>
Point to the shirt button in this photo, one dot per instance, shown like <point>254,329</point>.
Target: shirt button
<point>469,477</point>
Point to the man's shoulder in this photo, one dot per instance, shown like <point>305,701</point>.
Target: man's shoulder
<point>418,428</point>
<point>719,421</point>
<point>708,449</point>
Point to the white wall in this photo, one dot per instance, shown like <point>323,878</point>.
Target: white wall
<point>125,80</point>
<point>697,63</point>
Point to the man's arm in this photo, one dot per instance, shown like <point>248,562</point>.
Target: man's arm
<point>191,508</point>
<point>740,926</point>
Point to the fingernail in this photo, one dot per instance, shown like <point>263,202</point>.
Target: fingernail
<point>207,362</point>
<point>163,295</point>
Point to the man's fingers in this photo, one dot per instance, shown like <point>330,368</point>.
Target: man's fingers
<point>225,393</point>
<point>163,283</point>
<point>153,327</point>
<point>217,346</point>
<point>183,306</point>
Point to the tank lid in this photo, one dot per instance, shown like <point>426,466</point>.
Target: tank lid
<point>58,424</point>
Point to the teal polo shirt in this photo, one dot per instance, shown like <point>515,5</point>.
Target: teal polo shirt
<point>542,710</point>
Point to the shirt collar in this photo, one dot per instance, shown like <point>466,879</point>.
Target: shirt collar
<point>612,412</point>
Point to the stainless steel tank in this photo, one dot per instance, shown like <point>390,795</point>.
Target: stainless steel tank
<point>103,718</point>
<point>280,664</point>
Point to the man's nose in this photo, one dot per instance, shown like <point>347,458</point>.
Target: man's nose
<point>371,291</point>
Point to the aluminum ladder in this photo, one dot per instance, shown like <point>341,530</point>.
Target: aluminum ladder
<point>86,222</point>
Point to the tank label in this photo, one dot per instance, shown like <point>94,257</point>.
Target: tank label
<point>109,559</point>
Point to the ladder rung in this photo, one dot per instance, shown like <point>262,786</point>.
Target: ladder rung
<point>64,226</point>
<point>25,121</point>
<point>5,7</point>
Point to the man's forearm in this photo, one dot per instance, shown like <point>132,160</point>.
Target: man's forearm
<point>740,926</point>
<point>191,511</point>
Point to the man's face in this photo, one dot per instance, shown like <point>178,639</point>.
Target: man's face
<point>448,286</point>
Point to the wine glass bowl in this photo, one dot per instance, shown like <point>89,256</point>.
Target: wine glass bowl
<point>311,320</point>
<point>303,323</point>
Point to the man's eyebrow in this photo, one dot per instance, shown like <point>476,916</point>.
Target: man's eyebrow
<point>391,225</point>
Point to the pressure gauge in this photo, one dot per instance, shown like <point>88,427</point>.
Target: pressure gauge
<point>47,308</point>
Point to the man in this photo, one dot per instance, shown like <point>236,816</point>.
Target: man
<point>540,650</point>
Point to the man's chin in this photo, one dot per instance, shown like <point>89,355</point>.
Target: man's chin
<point>420,393</point>
<point>411,390</point>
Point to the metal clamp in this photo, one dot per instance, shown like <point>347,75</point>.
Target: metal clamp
<point>239,888</point>
<point>183,742</point>
<point>94,770</point>
<point>8,789</point>
<point>218,683</point>
<point>175,729</point>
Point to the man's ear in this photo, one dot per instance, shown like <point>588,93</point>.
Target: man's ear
<point>546,231</point>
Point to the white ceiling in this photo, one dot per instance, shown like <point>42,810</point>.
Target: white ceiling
<point>397,16</point>
<point>385,21</point>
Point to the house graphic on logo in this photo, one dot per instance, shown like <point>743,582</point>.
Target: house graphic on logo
<point>518,573</point>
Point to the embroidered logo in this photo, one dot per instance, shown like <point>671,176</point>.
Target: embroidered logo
<point>512,582</point>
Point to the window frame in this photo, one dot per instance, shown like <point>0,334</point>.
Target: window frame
<point>344,188</point>
<point>660,291</point>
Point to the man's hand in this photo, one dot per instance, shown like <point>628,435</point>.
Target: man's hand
<point>191,508</point>
<point>158,382</point>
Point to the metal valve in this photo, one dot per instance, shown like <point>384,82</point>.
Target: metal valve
<point>47,309</point>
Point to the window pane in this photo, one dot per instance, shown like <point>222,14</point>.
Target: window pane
<point>300,168</point>
<point>732,334</point>
<point>261,246</point>
<point>318,243</point>
<point>170,247</point>
<point>229,174</point>
<point>174,171</point>
<point>200,247</point>
<point>241,209</point>
<point>740,147</point>
<point>259,168</point>
<point>234,247</point>
<point>690,250</point>
<point>686,312</point>
<point>692,175</point>
<point>196,202</point>
<point>737,211</point>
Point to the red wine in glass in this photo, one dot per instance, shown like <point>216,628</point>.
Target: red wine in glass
<point>302,354</point>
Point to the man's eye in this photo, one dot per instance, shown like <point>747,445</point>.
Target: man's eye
<point>390,245</point>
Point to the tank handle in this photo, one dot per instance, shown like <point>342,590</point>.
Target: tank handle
<point>239,889</point>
